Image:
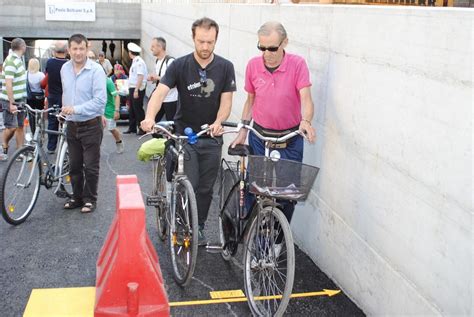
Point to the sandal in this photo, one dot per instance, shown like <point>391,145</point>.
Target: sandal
<point>72,204</point>
<point>87,208</point>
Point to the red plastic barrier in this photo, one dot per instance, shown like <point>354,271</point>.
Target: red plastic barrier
<point>129,280</point>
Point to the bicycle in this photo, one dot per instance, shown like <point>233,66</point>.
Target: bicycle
<point>269,255</point>
<point>175,202</point>
<point>30,167</point>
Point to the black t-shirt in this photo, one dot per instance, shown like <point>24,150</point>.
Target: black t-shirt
<point>53,68</point>
<point>199,103</point>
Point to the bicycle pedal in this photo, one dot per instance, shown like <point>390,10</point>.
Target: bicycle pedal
<point>213,248</point>
<point>153,201</point>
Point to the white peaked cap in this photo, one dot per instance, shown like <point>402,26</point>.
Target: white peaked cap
<point>134,47</point>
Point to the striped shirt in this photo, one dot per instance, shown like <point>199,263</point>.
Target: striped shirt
<point>13,68</point>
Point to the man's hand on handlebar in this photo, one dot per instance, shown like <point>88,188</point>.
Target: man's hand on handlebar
<point>308,130</point>
<point>67,110</point>
<point>216,129</point>
<point>147,125</point>
<point>240,139</point>
<point>13,108</point>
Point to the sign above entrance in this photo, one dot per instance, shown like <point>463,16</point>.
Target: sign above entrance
<point>69,11</point>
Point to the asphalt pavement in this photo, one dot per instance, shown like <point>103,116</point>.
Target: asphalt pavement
<point>56,248</point>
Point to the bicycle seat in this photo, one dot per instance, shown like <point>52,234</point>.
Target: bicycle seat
<point>239,150</point>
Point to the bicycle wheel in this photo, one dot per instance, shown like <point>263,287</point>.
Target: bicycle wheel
<point>19,186</point>
<point>160,190</point>
<point>184,232</point>
<point>65,184</point>
<point>226,228</point>
<point>269,267</point>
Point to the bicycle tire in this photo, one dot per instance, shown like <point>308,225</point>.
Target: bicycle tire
<point>65,184</point>
<point>231,195</point>
<point>159,189</point>
<point>19,198</point>
<point>184,235</point>
<point>265,273</point>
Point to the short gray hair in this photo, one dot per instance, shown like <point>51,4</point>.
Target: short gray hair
<point>268,27</point>
<point>60,46</point>
<point>18,44</point>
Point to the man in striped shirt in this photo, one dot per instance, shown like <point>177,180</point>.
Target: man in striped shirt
<point>13,91</point>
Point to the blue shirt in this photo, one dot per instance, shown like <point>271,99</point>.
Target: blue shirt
<point>86,91</point>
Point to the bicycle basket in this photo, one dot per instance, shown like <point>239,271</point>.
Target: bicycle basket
<point>281,178</point>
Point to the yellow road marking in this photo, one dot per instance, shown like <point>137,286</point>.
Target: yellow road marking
<point>80,301</point>
<point>63,302</point>
<point>325,292</point>
<point>227,294</point>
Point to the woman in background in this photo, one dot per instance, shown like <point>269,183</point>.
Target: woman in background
<point>35,93</point>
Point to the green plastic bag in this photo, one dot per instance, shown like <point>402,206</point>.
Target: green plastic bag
<point>150,148</point>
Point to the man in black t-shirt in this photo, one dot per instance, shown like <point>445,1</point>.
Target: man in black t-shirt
<point>205,84</point>
<point>55,88</point>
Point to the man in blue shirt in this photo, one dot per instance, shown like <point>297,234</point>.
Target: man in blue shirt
<point>84,98</point>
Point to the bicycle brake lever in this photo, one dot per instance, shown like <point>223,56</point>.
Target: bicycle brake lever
<point>146,134</point>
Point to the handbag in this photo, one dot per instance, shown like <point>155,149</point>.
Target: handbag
<point>32,95</point>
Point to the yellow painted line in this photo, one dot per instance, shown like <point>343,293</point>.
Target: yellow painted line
<point>64,302</point>
<point>227,294</point>
<point>79,302</point>
<point>325,292</point>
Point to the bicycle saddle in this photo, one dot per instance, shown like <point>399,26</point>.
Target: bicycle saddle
<point>239,150</point>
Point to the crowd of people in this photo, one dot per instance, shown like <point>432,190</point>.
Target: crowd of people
<point>192,90</point>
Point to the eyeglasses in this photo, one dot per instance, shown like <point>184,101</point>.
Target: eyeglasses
<point>203,77</point>
<point>270,49</point>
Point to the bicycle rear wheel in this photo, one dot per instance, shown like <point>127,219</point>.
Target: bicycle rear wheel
<point>183,238</point>
<point>19,186</point>
<point>229,205</point>
<point>159,190</point>
<point>269,263</point>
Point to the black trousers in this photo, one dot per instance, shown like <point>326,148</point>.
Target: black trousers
<point>168,110</point>
<point>35,104</point>
<point>136,113</point>
<point>53,123</point>
<point>84,158</point>
<point>201,166</point>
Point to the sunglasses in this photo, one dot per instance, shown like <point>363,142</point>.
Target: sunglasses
<point>270,49</point>
<point>203,77</point>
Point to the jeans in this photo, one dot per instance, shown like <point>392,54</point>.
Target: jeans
<point>201,166</point>
<point>293,151</point>
<point>53,123</point>
<point>84,159</point>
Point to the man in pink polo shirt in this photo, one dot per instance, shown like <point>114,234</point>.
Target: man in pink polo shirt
<point>279,97</point>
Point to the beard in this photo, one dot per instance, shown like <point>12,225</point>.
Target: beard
<point>204,54</point>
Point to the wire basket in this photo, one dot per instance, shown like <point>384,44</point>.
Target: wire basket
<point>279,178</point>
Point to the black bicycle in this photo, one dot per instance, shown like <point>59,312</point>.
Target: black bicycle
<point>269,255</point>
<point>174,200</point>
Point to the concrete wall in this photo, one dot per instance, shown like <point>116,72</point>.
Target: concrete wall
<point>390,215</point>
<point>26,18</point>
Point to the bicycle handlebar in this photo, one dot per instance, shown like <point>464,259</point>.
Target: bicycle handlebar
<point>241,125</point>
<point>162,128</point>
<point>21,105</point>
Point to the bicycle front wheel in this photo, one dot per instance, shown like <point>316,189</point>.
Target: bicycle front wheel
<point>160,190</point>
<point>269,263</point>
<point>183,238</point>
<point>19,186</point>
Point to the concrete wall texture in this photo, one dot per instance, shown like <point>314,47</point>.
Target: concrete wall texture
<point>26,18</point>
<point>390,215</point>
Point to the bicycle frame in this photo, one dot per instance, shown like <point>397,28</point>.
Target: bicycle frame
<point>40,154</point>
<point>244,220</point>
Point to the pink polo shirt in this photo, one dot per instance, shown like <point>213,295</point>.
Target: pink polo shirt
<point>277,104</point>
